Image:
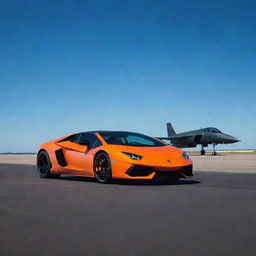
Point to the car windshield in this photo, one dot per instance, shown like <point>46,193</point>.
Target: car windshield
<point>130,139</point>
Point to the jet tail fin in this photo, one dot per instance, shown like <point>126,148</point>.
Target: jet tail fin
<point>170,130</point>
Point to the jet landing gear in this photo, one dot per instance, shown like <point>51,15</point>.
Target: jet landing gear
<point>214,152</point>
<point>202,151</point>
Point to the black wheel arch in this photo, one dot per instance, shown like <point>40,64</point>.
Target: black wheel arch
<point>100,151</point>
<point>42,149</point>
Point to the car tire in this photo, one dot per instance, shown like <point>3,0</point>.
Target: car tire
<point>44,166</point>
<point>102,168</point>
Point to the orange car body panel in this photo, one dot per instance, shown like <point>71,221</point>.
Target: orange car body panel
<point>80,160</point>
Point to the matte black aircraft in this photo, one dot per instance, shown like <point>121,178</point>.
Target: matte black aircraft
<point>203,136</point>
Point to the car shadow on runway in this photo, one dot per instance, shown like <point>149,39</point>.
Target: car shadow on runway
<point>135,182</point>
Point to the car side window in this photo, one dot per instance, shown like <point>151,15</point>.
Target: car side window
<point>91,139</point>
<point>97,143</point>
<point>71,138</point>
<point>75,139</point>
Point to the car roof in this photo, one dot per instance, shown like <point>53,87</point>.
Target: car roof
<point>102,131</point>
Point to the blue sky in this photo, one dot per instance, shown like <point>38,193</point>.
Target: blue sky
<point>70,66</point>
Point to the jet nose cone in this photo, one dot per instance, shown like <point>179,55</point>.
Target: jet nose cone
<point>230,139</point>
<point>235,140</point>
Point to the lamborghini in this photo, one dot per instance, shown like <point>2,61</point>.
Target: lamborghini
<point>107,155</point>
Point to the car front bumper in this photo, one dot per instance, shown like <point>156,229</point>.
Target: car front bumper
<point>145,171</point>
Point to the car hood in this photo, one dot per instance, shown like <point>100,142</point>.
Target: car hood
<point>152,151</point>
<point>155,156</point>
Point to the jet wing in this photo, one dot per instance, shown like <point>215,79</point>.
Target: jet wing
<point>176,137</point>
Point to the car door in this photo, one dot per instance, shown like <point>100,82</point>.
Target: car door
<point>86,161</point>
<point>73,154</point>
<point>79,153</point>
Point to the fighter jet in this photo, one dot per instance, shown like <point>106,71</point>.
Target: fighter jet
<point>203,136</point>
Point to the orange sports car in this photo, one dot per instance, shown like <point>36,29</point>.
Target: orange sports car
<point>112,154</point>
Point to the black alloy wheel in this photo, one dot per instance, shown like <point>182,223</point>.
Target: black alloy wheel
<point>102,168</point>
<point>44,166</point>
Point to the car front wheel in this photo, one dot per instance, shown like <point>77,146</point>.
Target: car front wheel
<point>102,168</point>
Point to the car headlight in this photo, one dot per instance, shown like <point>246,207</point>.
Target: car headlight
<point>185,155</point>
<point>132,156</point>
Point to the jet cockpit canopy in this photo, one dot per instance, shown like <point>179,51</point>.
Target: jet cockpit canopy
<point>212,129</point>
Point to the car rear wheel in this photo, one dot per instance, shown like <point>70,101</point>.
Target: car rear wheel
<point>102,168</point>
<point>44,166</point>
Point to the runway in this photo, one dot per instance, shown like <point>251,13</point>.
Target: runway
<point>211,214</point>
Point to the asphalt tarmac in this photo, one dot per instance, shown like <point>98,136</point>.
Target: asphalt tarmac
<point>211,214</point>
